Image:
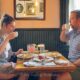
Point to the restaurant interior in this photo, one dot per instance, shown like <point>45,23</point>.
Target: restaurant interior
<point>39,23</point>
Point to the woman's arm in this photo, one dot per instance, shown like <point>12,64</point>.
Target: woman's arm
<point>7,39</point>
<point>3,45</point>
<point>20,51</point>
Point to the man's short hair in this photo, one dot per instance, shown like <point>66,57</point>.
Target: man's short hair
<point>77,13</point>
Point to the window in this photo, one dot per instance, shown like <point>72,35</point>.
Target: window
<point>74,5</point>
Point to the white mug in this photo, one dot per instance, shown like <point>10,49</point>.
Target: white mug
<point>16,34</point>
<point>67,26</point>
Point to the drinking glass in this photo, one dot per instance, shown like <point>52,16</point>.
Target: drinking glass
<point>31,48</point>
<point>41,48</point>
<point>68,27</point>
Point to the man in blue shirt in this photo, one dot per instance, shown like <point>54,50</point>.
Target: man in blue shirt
<point>73,37</point>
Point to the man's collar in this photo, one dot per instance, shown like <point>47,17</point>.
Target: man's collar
<point>77,31</point>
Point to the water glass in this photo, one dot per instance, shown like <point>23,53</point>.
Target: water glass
<point>67,27</point>
<point>31,48</point>
<point>41,48</point>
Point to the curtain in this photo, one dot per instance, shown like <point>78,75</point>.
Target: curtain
<point>64,11</point>
<point>64,18</point>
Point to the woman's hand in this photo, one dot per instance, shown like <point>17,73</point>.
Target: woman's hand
<point>12,35</point>
<point>19,51</point>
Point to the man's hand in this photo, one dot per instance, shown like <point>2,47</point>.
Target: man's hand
<point>77,62</point>
<point>63,36</point>
<point>63,27</point>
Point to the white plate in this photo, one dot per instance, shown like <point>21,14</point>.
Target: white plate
<point>62,61</point>
<point>30,63</point>
<point>49,59</point>
<point>49,64</point>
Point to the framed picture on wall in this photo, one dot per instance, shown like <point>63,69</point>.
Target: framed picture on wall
<point>41,7</point>
<point>29,9</point>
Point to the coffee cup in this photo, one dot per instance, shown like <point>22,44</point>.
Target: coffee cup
<point>16,34</point>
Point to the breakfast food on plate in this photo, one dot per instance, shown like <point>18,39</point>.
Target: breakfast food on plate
<point>36,60</point>
<point>49,59</point>
<point>24,56</point>
<point>39,60</point>
<point>53,54</point>
<point>44,59</point>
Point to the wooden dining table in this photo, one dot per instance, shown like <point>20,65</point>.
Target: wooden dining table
<point>58,68</point>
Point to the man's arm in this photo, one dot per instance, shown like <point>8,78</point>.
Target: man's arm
<point>77,62</point>
<point>63,36</point>
<point>78,47</point>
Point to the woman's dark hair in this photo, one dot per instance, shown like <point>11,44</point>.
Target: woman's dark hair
<point>6,19</point>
